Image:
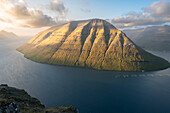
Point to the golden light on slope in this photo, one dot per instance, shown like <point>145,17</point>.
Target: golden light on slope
<point>93,43</point>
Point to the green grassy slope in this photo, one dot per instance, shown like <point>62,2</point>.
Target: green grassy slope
<point>91,43</point>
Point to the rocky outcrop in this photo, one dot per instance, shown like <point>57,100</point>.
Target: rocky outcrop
<point>62,109</point>
<point>14,100</point>
<point>93,43</point>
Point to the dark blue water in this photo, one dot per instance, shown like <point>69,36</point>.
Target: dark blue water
<point>89,90</point>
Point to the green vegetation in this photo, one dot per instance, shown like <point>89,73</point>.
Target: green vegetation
<point>18,101</point>
<point>62,109</point>
<point>21,100</point>
<point>91,43</point>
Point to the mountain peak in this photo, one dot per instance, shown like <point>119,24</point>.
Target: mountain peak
<point>5,34</point>
<point>96,19</point>
<point>98,22</point>
<point>93,43</point>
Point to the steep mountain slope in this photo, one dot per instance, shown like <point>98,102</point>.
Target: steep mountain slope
<point>151,38</point>
<point>13,100</point>
<point>5,34</point>
<point>93,43</point>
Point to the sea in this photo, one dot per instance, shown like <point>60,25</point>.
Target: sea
<point>90,91</point>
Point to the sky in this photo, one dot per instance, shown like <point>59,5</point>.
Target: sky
<point>28,17</point>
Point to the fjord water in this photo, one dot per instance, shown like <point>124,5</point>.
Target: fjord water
<point>90,91</point>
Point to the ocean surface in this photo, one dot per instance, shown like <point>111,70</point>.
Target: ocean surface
<point>90,91</point>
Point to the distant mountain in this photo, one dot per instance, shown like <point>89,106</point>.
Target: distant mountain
<point>93,43</point>
<point>5,34</point>
<point>151,38</point>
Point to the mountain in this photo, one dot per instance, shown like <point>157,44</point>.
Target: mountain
<point>5,34</point>
<point>93,43</point>
<point>151,38</point>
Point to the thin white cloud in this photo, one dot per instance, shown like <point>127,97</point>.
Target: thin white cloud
<point>59,7</point>
<point>19,14</point>
<point>83,2</point>
<point>155,14</point>
<point>85,10</point>
<point>84,5</point>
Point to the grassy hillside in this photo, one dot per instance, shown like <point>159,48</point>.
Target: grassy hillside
<point>13,100</point>
<point>93,43</point>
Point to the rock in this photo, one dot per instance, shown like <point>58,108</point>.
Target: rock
<point>4,85</point>
<point>62,109</point>
<point>93,43</point>
<point>13,100</point>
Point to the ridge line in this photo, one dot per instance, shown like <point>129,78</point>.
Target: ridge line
<point>106,29</point>
<point>66,36</point>
<point>92,42</point>
<point>83,41</point>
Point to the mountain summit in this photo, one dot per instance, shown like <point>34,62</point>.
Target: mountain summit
<point>93,43</point>
<point>5,34</point>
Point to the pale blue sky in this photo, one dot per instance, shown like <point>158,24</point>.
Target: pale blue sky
<point>35,15</point>
<point>104,9</point>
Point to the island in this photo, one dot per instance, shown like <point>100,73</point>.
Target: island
<point>93,43</point>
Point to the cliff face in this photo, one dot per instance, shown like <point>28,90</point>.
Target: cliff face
<point>18,101</point>
<point>91,43</point>
<point>13,100</point>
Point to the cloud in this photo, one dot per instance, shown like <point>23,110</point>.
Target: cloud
<point>155,14</point>
<point>83,2</point>
<point>19,14</point>
<point>59,7</point>
<point>5,20</point>
<point>85,10</point>
<point>160,8</point>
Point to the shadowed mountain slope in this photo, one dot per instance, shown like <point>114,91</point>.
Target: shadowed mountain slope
<point>93,43</point>
<point>151,38</point>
